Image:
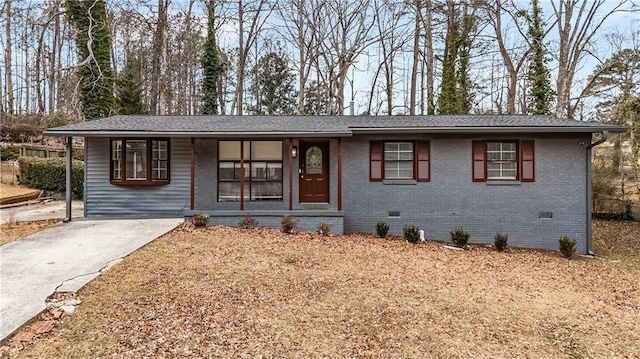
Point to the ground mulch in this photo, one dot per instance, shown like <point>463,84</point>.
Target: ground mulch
<point>222,292</point>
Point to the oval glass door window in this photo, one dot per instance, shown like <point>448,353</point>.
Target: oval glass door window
<point>314,160</point>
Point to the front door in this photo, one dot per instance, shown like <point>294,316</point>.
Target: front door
<point>314,171</point>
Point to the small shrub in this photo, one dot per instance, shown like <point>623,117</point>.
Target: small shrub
<point>567,246</point>
<point>500,241</point>
<point>382,228</point>
<point>324,228</point>
<point>200,220</point>
<point>248,222</point>
<point>289,224</point>
<point>459,237</point>
<point>411,234</point>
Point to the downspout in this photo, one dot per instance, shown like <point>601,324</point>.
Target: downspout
<point>68,178</point>
<point>589,191</point>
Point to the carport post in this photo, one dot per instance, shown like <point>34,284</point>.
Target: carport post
<point>68,178</point>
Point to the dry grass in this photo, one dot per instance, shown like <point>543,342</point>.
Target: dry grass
<point>13,230</point>
<point>220,292</point>
<point>7,190</point>
<point>617,240</point>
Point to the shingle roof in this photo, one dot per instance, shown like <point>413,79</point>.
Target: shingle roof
<point>310,126</point>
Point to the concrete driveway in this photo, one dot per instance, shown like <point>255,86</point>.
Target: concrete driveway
<point>65,258</point>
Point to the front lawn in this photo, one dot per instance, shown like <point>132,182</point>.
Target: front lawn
<point>13,229</point>
<point>221,292</point>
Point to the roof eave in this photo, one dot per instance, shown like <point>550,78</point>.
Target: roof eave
<point>506,129</point>
<point>189,134</point>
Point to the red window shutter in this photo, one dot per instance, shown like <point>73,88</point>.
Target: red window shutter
<point>479,149</point>
<point>423,160</point>
<point>527,161</point>
<point>375,159</point>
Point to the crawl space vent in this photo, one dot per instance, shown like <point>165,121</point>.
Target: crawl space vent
<point>545,215</point>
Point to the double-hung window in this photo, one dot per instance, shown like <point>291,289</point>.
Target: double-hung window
<point>399,160</point>
<point>260,170</point>
<point>140,161</point>
<point>503,160</point>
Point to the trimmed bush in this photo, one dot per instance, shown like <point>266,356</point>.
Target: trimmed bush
<point>200,220</point>
<point>324,228</point>
<point>459,237</point>
<point>49,174</point>
<point>567,246</point>
<point>289,224</point>
<point>382,228</point>
<point>411,234</point>
<point>248,222</point>
<point>500,241</point>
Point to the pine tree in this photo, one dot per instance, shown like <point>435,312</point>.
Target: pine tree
<point>93,42</point>
<point>129,88</point>
<point>316,99</point>
<point>616,82</point>
<point>541,93</point>
<point>272,86</point>
<point>211,66</point>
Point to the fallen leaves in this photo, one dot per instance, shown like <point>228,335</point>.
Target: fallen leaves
<point>224,292</point>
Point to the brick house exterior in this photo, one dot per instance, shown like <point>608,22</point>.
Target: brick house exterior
<point>526,176</point>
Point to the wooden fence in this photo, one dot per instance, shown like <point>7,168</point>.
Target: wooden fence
<point>49,151</point>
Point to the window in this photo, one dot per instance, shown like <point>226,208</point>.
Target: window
<point>503,160</point>
<point>398,160</point>
<point>130,162</point>
<point>262,175</point>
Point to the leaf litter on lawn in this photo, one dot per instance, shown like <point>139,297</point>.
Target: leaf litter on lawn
<point>223,292</point>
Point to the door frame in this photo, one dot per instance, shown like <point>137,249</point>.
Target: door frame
<point>325,146</point>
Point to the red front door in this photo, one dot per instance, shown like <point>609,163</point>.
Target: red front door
<point>314,172</point>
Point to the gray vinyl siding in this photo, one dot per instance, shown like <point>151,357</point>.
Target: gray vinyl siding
<point>452,199</point>
<point>104,199</point>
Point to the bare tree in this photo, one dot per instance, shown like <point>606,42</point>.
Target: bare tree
<point>297,17</point>
<point>392,34</point>
<point>158,101</point>
<point>514,57</point>
<point>251,13</point>
<point>427,21</point>
<point>578,22</point>
<point>341,38</point>
<point>8,65</point>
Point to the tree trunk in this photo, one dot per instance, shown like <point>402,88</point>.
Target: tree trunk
<point>416,59</point>
<point>8,61</point>
<point>428,39</point>
<point>511,71</point>
<point>575,36</point>
<point>53,73</point>
<point>159,65</point>
<point>241,59</point>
